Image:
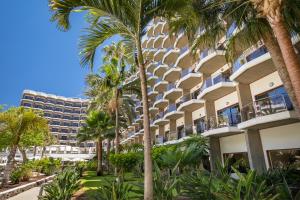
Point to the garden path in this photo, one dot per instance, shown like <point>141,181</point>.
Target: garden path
<point>31,194</point>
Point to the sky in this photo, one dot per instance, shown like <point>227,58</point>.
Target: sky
<point>35,55</point>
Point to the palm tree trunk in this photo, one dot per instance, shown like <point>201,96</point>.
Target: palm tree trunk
<point>99,157</point>
<point>107,154</point>
<point>274,49</point>
<point>9,165</point>
<point>24,156</point>
<point>117,122</point>
<point>43,151</point>
<point>148,177</point>
<point>290,57</point>
<point>34,152</point>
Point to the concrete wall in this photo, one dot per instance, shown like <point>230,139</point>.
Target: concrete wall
<point>234,143</point>
<point>283,137</point>
<point>266,83</point>
<point>226,101</point>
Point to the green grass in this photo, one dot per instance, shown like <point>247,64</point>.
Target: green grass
<point>90,181</point>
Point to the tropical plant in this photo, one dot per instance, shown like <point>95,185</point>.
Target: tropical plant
<point>283,16</point>
<point>118,190</point>
<point>63,186</point>
<point>125,161</point>
<point>210,16</point>
<point>18,122</point>
<point>109,18</point>
<point>98,125</point>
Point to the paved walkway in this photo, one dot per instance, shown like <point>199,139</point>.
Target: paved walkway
<point>31,194</point>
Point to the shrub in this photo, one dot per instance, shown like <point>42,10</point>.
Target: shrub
<point>16,176</point>
<point>118,190</point>
<point>63,186</point>
<point>91,165</point>
<point>125,161</point>
<point>80,167</point>
<point>48,166</point>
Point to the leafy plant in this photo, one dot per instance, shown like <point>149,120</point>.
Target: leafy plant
<point>16,176</point>
<point>118,190</point>
<point>63,186</point>
<point>80,167</point>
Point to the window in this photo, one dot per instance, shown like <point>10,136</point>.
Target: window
<point>283,158</point>
<point>229,116</point>
<point>200,125</point>
<point>276,95</point>
<point>237,160</point>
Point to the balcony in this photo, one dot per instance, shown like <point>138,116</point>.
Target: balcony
<point>171,55</point>
<point>159,41</point>
<point>189,79</point>
<point>168,42</point>
<point>222,125</point>
<point>173,93</point>
<point>160,69</point>
<point>159,54</point>
<point>211,60</point>
<point>152,93</point>
<point>138,106</point>
<point>153,110</point>
<point>185,58</point>
<point>189,102</point>
<point>139,119</point>
<point>216,87</point>
<point>173,74</point>
<point>160,102</point>
<point>153,127</point>
<point>160,85</point>
<point>268,112</point>
<point>158,27</point>
<point>159,119</point>
<point>182,40</point>
<point>150,67</point>
<point>172,112</point>
<point>151,80</point>
<point>246,68</point>
<point>150,42</point>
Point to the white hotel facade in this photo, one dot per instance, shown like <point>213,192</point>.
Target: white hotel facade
<point>242,108</point>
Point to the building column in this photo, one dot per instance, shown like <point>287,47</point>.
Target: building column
<point>255,151</point>
<point>173,130</point>
<point>140,139</point>
<point>215,152</point>
<point>245,98</point>
<point>188,122</point>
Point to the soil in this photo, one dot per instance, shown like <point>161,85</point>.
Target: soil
<point>10,186</point>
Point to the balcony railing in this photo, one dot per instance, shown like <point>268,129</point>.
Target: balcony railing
<point>186,72</point>
<point>171,86</point>
<point>184,49</point>
<point>214,80</point>
<point>158,80</point>
<point>160,115</point>
<point>231,29</point>
<point>171,108</point>
<point>255,54</point>
<point>266,106</point>
<point>159,97</point>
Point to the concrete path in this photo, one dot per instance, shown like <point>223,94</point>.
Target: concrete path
<point>31,194</point>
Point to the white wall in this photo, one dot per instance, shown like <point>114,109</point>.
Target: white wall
<point>234,143</point>
<point>198,113</point>
<point>266,83</point>
<point>283,137</point>
<point>226,101</point>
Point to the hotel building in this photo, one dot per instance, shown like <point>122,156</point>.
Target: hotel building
<point>242,108</point>
<point>65,115</point>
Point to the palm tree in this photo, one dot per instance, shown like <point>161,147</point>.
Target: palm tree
<point>98,126</point>
<point>211,16</point>
<point>17,122</point>
<point>108,92</point>
<point>129,20</point>
<point>282,15</point>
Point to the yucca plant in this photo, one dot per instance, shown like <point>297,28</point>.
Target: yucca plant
<point>118,190</point>
<point>63,186</point>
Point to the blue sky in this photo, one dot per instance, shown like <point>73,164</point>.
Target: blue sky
<point>35,55</point>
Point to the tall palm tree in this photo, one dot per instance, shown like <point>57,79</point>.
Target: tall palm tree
<point>211,16</point>
<point>17,122</point>
<point>282,15</point>
<point>108,91</point>
<point>99,126</point>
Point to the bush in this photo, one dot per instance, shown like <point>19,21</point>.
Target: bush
<point>48,166</point>
<point>63,186</point>
<point>118,190</point>
<point>91,165</point>
<point>16,176</point>
<point>80,167</point>
<point>125,161</point>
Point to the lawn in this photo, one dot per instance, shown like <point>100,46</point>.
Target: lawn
<point>90,182</point>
